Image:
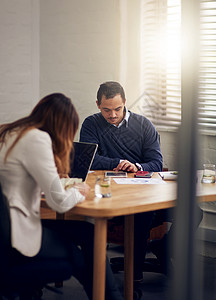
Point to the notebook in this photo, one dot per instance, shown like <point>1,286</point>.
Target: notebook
<point>84,154</point>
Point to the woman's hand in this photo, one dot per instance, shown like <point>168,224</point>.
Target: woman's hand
<point>83,188</point>
<point>63,175</point>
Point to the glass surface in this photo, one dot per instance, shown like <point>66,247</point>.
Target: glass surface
<point>208,173</point>
<point>103,187</point>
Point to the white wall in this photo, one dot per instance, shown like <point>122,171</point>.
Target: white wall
<point>19,58</point>
<point>79,49</point>
<point>85,43</point>
<point>169,147</point>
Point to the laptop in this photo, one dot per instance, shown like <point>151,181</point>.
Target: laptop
<point>84,154</point>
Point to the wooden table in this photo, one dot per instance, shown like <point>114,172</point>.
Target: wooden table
<point>127,200</point>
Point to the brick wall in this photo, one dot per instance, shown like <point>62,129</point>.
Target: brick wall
<point>19,76</point>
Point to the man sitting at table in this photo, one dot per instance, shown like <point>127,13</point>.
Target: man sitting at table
<point>128,142</point>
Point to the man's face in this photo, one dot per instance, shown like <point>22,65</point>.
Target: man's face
<point>112,109</point>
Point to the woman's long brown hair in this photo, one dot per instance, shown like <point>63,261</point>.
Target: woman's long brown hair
<point>56,115</point>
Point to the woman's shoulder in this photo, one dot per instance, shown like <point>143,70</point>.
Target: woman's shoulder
<point>35,134</point>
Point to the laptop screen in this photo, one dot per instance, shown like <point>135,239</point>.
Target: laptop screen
<point>83,157</point>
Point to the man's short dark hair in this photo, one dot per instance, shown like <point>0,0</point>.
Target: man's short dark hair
<point>110,89</point>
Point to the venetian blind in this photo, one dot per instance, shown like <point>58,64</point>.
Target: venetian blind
<point>160,35</point>
<point>161,72</point>
<point>207,92</point>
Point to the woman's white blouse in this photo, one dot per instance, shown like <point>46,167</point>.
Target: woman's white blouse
<point>29,169</point>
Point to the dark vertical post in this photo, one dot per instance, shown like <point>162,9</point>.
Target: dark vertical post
<point>185,279</point>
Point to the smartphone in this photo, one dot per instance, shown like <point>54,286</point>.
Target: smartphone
<point>143,174</point>
<point>115,174</point>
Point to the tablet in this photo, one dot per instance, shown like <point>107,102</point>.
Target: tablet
<point>115,174</point>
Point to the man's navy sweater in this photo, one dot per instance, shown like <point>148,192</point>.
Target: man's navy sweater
<point>136,141</point>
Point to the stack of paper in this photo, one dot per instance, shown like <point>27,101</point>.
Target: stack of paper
<point>172,175</point>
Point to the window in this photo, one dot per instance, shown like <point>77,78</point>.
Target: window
<point>160,78</point>
<point>207,104</point>
<point>161,63</point>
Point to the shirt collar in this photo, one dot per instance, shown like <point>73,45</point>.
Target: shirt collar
<point>125,119</point>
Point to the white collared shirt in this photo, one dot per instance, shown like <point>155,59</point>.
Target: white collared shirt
<point>126,117</point>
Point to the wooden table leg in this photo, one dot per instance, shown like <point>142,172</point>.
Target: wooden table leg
<point>128,256</point>
<point>100,242</point>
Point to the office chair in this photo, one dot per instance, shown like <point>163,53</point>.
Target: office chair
<point>115,235</point>
<point>27,279</point>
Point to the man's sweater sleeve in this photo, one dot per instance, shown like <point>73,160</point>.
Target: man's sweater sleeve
<point>153,160</point>
<point>90,132</point>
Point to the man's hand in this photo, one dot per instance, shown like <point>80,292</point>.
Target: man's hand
<point>126,166</point>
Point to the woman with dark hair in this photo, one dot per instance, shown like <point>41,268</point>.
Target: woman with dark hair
<point>34,155</point>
